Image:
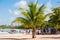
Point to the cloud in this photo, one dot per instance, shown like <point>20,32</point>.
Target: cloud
<point>10,11</point>
<point>17,12</point>
<point>48,7</point>
<point>21,4</point>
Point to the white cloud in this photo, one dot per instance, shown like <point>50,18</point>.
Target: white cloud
<point>22,4</point>
<point>48,7</point>
<point>17,12</point>
<point>10,11</point>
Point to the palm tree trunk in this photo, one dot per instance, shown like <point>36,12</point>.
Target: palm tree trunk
<point>33,32</point>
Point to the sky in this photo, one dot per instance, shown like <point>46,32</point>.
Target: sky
<point>9,8</point>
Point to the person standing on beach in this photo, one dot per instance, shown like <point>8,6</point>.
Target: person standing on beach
<point>27,31</point>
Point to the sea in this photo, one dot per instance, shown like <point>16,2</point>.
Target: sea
<point>16,31</point>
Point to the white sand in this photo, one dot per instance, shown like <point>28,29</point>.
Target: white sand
<point>28,37</point>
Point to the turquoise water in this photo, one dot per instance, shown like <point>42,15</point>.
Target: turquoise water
<point>9,30</point>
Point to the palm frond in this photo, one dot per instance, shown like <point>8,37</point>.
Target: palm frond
<point>25,13</point>
<point>21,20</point>
<point>41,9</point>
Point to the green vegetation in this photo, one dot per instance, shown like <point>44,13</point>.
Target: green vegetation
<point>34,17</point>
<point>11,27</point>
<point>55,17</point>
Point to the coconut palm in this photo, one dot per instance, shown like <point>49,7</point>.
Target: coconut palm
<point>55,18</point>
<point>32,17</point>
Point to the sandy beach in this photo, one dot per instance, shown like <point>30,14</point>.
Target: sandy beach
<point>28,37</point>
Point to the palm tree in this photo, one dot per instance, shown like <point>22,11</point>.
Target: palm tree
<point>33,16</point>
<point>55,18</point>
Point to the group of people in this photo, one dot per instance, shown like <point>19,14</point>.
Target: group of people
<point>38,31</point>
<point>46,31</point>
<point>42,31</point>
